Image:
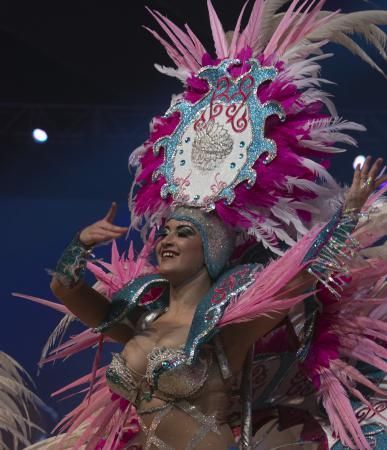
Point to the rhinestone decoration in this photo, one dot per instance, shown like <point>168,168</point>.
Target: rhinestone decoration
<point>124,300</point>
<point>213,132</point>
<point>209,311</point>
<point>167,371</point>
<point>211,146</point>
<point>331,249</point>
<point>218,240</point>
<point>120,379</point>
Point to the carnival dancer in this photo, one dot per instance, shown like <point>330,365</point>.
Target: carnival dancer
<point>221,351</point>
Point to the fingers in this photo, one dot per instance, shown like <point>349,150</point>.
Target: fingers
<point>98,237</point>
<point>375,169</point>
<point>111,214</point>
<point>366,168</point>
<point>112,228</point>
<point>367,176</point>
<point>357,175</point>
<point>380,181</point>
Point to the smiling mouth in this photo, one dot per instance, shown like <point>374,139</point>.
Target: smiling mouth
<point>168,254</point>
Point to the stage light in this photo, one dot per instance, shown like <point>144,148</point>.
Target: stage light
<point>39,135</point>
<point>359,160</point>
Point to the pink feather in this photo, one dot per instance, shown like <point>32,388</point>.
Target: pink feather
<point>200,49</point>
<point>250,34</point>
<point>53,305</point>
<point>190,62</point>
<point>234,42</point>
<point>185,40</point>
<point>286,22</point>
<point>218,34</point>
<point>176,57</point>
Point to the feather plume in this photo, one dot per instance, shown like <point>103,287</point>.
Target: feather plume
<point>181,41</point>
<point>235,37</point>
<point>220,41</point>
<point>363,23</point>
<point>269,21</point>
<point>57,334</point>
<point>180,74</point>
<point>16,399</point>
<point>250,35</point>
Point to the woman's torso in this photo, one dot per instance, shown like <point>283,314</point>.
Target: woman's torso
<point>185,407</point>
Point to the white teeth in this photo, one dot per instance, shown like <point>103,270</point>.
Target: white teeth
<point>168,254</point>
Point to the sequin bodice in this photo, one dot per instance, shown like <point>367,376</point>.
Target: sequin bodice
<point>179,381</point>
<point>195,395</point>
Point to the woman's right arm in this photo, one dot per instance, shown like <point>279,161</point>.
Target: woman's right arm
<point>87,304</point>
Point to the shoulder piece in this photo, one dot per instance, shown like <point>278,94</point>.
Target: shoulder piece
<point>210,310</point>
<point>150,291</point>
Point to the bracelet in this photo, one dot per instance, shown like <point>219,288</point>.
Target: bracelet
<point>332,248</point>
<point>71,266</point>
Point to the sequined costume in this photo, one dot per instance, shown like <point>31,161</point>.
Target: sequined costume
<point>194,379</point>
<point>197,391</point>
<point>241,154</point>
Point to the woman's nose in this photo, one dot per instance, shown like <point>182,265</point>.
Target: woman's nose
<point>168,239</point>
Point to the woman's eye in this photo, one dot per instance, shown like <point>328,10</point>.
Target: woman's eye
<point>185,232</point>
<point>161,234</point>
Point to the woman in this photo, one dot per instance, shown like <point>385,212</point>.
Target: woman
<point>197,397</point>
<point>239,142</point>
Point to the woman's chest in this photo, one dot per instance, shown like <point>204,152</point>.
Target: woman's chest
<point>160,335</point>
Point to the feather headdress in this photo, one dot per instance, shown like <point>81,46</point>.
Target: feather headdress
<point>281,199</point>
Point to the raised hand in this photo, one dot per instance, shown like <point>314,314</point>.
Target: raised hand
<point>365,181</point>
<point>104,230</point>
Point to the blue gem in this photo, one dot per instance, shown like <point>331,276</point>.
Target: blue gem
<point>187,139</point>
<point>232,165</point>
<point>242,144</point>
<point>182,162</point>
<point>241,155</point>
<point>196,197</point>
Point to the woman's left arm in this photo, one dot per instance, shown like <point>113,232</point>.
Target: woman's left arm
<point>239,337</point>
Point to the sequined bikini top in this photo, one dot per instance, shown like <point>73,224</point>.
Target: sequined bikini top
<point>168,377</point>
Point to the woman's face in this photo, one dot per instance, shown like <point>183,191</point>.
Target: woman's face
<point>179,251</point>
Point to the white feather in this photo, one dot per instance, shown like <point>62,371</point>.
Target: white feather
<point>319,171</point>
<point>15,401</point>
<point>284,211</point>
<point>270,21</point>
<point>181,73</point>
<point>363,23</point>
<point>57,334</point>
<point>312,95</point>
<point>305,185</point>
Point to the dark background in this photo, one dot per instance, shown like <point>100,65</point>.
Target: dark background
<point>84,72</point>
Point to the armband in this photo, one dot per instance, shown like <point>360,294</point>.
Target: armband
<point>332,248</point>
<point>71,266</point>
